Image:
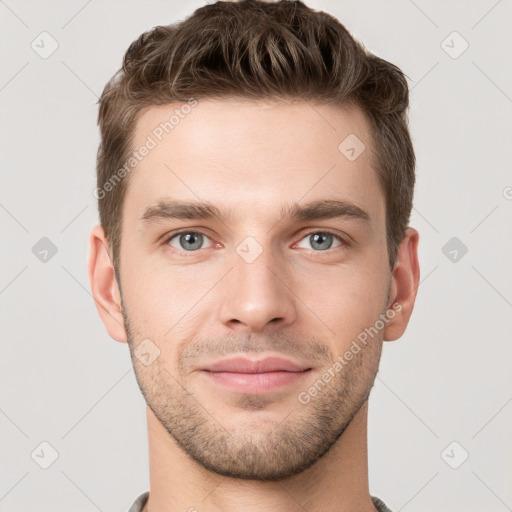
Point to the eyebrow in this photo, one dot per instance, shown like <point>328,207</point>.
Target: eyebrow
<point>322,209</point>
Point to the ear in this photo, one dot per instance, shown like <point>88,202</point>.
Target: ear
<point>405,280</point>
<point>104,285</point>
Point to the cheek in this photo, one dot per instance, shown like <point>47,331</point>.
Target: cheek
<point>349,300</point>
<point>163,300</point>
<point>145,295</point>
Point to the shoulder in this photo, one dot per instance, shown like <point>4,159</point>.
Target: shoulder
<point>381,506</point>
<point>139,503</point>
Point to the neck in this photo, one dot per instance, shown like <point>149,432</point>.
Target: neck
<point>338,481</point>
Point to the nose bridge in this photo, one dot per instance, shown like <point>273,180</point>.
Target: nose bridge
<point>254,293</point>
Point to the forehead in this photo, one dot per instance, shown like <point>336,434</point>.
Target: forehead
<point>253,156</point>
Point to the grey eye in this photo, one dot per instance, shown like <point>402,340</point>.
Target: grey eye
<point>190,241</point>
<point>321,241</point>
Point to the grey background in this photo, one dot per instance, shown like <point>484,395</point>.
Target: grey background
<point>66,383</point>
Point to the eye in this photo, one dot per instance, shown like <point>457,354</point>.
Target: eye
<point>187,241</point>
<point>322,240</point>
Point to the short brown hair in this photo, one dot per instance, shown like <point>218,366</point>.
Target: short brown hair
<point>258,50</point>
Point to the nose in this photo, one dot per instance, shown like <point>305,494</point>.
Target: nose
<point>256,294</point>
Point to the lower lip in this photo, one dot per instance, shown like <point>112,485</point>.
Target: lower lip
<point>256,382</point>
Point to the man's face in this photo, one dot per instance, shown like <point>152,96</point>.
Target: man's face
<point>255,283</point>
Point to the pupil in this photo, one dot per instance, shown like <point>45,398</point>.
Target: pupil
<point>192,240</point>
<point>318,238</point>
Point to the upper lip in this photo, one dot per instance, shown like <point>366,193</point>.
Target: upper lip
<point>243,365</point>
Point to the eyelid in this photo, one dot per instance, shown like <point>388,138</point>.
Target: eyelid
<point>344,237</point>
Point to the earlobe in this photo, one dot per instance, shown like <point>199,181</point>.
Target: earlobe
<point>104,285</point>
<point>404,286</point>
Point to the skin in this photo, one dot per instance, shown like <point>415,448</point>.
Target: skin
<point>210,447</point>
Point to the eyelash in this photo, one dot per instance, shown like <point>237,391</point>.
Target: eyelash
<point>167,239</point>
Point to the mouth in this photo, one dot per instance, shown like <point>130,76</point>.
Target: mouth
<point>250,376</point>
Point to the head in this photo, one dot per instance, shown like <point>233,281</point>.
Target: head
<point>255,183</point>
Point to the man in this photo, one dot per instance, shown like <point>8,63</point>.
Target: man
<point>255,182</point>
